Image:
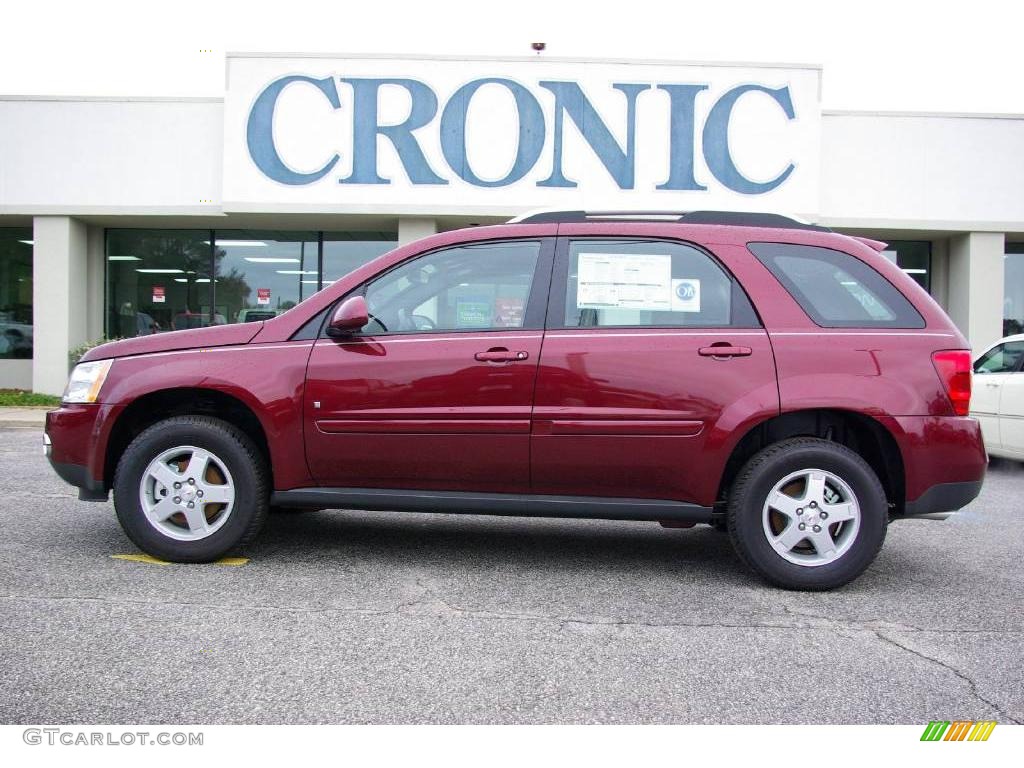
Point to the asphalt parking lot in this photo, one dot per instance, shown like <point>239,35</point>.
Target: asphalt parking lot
<point>358,617</point>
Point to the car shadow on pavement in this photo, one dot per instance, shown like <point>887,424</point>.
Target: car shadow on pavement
<point>475,539</point>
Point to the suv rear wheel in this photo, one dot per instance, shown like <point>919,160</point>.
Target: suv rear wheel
<point>190,489</point>
<point>807,514</point>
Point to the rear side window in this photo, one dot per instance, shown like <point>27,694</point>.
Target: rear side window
<point>835,289</point>
<point>650,283</point>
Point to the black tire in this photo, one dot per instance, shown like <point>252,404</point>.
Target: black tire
<point>232,447</point>
<point>757,479</point>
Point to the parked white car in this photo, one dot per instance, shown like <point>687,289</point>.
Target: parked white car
<point>997,400</point>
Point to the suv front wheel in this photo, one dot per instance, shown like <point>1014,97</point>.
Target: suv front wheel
<point>190,489</point>
<point>807,514</point>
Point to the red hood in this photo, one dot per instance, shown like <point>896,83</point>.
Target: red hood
<point>214,336</point>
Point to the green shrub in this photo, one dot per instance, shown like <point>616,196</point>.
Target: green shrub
<point>19,398</point>
<point>78,353</point>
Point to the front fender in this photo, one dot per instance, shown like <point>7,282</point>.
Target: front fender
<point>267,378</point>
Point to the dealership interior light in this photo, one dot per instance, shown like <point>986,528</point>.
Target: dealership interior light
<point>239,243</point>
<point>270,260</point>
<point>910,271</point>
<point>28,242</point>
<point>123,258</point>
<point>161,271</point>
<point>296,272</point>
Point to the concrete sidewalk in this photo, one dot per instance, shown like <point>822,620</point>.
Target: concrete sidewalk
<point>32,417</point>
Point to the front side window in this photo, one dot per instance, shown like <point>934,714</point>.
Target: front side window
<point>1004,358</point>
<point>835,289</point>
<point>651,283</point>
<point>474,287</point>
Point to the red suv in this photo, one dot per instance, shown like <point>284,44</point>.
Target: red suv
<point>768,377</point>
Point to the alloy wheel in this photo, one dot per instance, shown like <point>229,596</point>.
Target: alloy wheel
<point>811,517</point>
<point>187,493</point>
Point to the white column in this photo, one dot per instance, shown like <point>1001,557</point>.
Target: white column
<point>97,275</point>
<point>410,229</point>
<point>59,298</point>
<point>976,286</point>
<point>940,273</point>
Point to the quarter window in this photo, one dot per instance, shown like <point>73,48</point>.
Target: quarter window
<point>475,287</point>
<point>650,283</point>
<point>835,289</point>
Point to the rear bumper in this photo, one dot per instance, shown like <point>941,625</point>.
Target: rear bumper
<point>940,501</point>
<point>944,463</point>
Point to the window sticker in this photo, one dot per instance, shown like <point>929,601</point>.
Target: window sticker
<point>686,295</point>
<point>508,313</point>
<point>472,312</point>
<point>624,281</point>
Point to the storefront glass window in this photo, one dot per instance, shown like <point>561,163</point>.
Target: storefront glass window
<point>345,251</point>
<point>261,274</point>
<point>15,293</point>
<point>914,257</point>
<point>1013,289</point>
<point>157,280</point>
<point>160,280</point>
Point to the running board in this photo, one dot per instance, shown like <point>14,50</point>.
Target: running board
<point>522,505</point>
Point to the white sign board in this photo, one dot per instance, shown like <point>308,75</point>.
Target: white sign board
<point>499,136</point>
<point>624,281</point>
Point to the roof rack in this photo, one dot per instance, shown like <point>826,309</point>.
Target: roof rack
<point>729,218</point>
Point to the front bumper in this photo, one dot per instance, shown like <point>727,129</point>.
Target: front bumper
<point>78,476</point>
<point>74,441</point>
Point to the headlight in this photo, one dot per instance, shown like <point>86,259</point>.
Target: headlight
<point>85,382</point>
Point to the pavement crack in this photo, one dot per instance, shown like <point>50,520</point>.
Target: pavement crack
<point>435,605</point>
<point>876,627</point>
<point>971,684</point>
<point>870,624</point>
<point>212,606</point>
<point>428,598</point>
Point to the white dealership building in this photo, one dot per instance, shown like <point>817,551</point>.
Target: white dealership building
<point>127,216</point>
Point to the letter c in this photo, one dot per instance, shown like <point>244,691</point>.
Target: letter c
<point>716,140</point>
<point>259,132</point>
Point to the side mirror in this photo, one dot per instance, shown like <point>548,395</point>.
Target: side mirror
<point>351,315</point>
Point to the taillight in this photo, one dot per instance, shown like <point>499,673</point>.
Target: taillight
<point>954,369</point>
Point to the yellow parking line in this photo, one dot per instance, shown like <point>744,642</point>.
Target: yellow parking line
<point>154,561</point>
<point>141,559</point>
<point>232,561</point>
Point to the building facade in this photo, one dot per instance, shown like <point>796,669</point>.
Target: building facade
<point>121,217</point>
